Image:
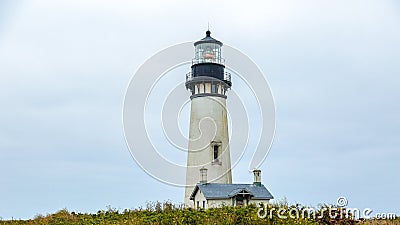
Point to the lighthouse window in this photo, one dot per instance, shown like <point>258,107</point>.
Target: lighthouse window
<point>213,88</point>
<point>216,152</point>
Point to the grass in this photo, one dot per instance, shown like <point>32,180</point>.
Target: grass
<point>167,213</point>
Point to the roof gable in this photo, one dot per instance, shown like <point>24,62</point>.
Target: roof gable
<point>239,190</point>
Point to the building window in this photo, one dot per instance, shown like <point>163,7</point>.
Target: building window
<point>239,200</point>
<point>204,204</point>
<point>198,204</point>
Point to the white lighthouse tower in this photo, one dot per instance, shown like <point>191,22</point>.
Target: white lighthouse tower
<point>208,149</point>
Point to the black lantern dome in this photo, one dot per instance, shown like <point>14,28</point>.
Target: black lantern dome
<point>208,39</point>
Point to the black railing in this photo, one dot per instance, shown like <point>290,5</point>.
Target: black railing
<point>209,60</point>
<point>227,76</point>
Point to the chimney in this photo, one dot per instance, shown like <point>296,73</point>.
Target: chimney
<point>257,177</point>
<point>203,175</point>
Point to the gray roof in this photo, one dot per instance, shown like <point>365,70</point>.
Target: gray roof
<point>224,191</point>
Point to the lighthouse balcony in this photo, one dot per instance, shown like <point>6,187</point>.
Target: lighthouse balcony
<point>208,86</point>
<point>227,77</point>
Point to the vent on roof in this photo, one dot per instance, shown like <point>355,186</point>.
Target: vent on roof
<point>203,175</point>
<point>257,177</point>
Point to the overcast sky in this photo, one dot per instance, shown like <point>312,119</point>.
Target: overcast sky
<point>333,67</point>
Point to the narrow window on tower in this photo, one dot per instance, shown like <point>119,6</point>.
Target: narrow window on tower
<point>216,152</point>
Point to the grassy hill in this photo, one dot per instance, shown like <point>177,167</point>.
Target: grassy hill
<point>167,213</point>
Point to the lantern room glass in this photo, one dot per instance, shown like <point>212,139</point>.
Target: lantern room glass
<point>208,53</point>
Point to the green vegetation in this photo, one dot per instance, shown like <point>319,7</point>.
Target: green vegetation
<point>167,213</point>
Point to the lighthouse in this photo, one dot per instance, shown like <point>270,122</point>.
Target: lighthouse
<point>208,159</point>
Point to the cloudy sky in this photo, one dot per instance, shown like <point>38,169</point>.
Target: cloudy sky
<point>333,67</point>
